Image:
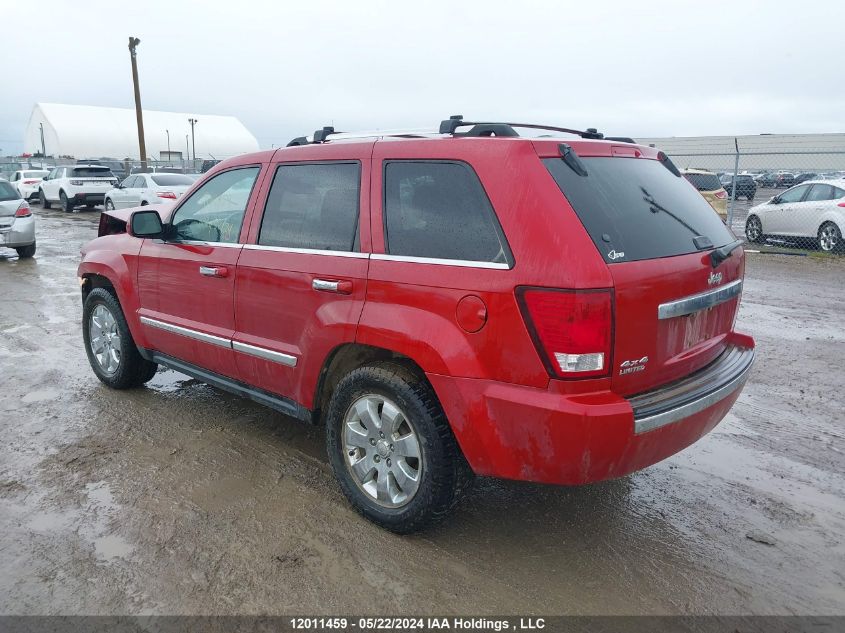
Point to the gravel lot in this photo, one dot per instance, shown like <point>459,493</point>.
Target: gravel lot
<point>178,498</point>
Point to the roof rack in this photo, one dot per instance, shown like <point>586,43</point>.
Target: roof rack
<point>450,127</point>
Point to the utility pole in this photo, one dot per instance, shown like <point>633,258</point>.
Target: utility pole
<point>168,144</point>
<point>43,150</point>
<point>187,149</point>
<point>193,122</point>
<point>133,42</point>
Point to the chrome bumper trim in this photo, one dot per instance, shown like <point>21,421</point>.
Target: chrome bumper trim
<point>266,354</point>
<point>183,331</point>
<point>694,303</point>
<point>736,381</point>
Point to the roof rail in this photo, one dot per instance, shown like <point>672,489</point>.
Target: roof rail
<point>450,127</point>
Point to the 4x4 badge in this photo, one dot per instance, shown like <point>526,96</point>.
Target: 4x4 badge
<point>631,366</point>
<point>714,278</point>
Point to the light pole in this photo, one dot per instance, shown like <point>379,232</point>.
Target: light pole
<point>43,150</point>
<point>193,122</point>
<point>187,150</point>
<point>168,145</point>
<point>139,115</point>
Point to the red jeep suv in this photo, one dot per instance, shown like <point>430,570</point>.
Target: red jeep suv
<point>471,301</point>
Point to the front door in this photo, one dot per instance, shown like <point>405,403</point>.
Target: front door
<point>778,219</point>
<point>186,282</point>
<point>301,279</point>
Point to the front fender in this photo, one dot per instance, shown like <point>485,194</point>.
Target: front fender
<point>115,257</point>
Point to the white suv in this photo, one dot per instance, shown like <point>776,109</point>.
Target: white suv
<point>76,185</point>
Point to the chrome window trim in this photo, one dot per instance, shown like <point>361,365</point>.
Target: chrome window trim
<point>440,262</point>
<point>266,354</point>
<point>694,303</point>
<point>642,425</point>
<point>201,243</point>
<point>305,251</point>
<point>188,332</point>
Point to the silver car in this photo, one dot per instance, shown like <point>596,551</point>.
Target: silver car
<point>17,224</point>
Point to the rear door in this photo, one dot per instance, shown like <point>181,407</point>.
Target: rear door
<point>186,282</point>
<point>302,277</point>
<point>807,219</point>
<point>673,310</point>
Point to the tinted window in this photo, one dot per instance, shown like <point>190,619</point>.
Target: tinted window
<point>795,194</point>
<point>838,193</point>
<point>7,192</point>
<point>215,211</point>
<point>313,206</point>
<point>440,210</point>
<point>637,209</point>
<point>92,172</point>
<point>171,180</point>
<point>819,193</point>
<point>704,182</point>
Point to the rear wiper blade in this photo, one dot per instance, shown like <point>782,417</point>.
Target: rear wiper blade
<point>723,252</point>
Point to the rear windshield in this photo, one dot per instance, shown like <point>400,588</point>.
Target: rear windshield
<point>704,182</point>
<point>92,172</point>
<point>7,192</point>
<point>172,180</point>
<point>637,209</point>
<point>34,174</point>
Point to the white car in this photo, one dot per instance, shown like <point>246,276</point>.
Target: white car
<point>17,225</point>
<point>75,185</point>
<point>142,189</point>
<point>26,181</point>
<point>814,209</point>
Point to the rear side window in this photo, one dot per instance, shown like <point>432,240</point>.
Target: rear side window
<point>636,209</point>
<point>7,192</point>
<point>440,210</point>
<point>313,206</point>
<point>704,182</point>
<point>819,193</point>
<point>92,172</point>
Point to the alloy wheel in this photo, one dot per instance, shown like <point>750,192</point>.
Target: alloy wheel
<point>382,450</point>
<point>829,238</point>
<point>104,339</point>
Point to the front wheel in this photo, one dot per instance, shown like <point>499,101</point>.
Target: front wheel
<point>45,204</point>
<point>109,205</point>
<point>754,230</point>
<point>830,237</point>
<point>392,450</point>
<point>109,344</point>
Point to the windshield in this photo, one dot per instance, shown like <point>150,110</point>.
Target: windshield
<point>172,180</point>
<point>92,172</point>
<point>637,209</point>
<point>7,192</point>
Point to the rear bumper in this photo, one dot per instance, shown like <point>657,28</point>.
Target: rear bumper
<point>89,198</point>
<point>515,432</point>
<point>21,233</point>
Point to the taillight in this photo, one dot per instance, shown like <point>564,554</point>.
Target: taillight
<point>166,194</point>
<point>722,194</point>
<point>841,204</point>
<point>572,329</point>
<point>23,210</point>
<point>76,183</point>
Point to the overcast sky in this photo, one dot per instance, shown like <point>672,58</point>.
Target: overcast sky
<point>634,68</point>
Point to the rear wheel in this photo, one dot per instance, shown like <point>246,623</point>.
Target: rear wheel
<point>67,206</point>
<point>830,237</point>
<point>109,344</point>
<point>26,252</point>
<point>392,450</point>
<point>45,204</point>
<point>754,230</point>
<point>109,205</point>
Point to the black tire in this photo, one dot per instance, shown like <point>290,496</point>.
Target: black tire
<point>143,203</point>
<point>89,205</point>
<point>109,205</point>
<point>829,238</point>
<point>754,230</point>
<point>133,370</point>
<point>444,473</point>
<point>45,204</point>
<point>67,205</point>
<point>25,252</point>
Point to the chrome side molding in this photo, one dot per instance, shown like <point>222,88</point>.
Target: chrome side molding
<point>266,354</point>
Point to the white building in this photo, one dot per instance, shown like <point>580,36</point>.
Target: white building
<point>95,132</point>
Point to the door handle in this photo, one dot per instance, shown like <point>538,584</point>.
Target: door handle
<point>214,271</point>
<point>326,285</point>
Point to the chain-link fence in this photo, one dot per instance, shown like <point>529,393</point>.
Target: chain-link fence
<point>777,200</point>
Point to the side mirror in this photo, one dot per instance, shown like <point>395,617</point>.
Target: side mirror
<point>146,224</point>
<point>775,200</point>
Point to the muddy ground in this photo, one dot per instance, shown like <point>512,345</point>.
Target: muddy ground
<point>178,498</point>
